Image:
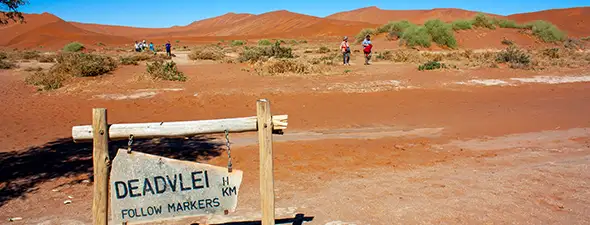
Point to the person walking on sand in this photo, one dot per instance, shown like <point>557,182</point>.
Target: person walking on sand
<point>168,47</point>
<point>367,48</point>
<point>137,47</point>
<point>345,47</point>
<point>152,48</point>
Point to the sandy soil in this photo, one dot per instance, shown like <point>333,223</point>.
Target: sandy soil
<point>380,144</point>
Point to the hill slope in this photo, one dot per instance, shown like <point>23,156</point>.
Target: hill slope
<point>575,21</point>
<point>376,15</point>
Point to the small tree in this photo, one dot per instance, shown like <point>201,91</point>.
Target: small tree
<point>10,11</point>
<point>73,47</point>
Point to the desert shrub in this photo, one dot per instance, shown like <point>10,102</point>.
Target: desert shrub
<point>546,31</point>
<point>441,33</point>
<point>207,53</point>
<point>49,80</point>
<point>253,54</point>
<point>508,24</point>
<point>5,65</point>
<point>307,51</point>
<point>165,71</point>
<point>28,55</point>
<point>33,69</point>
<point>128,60</point>
<point>264,42</point>
<point>3,55</point>
<point>386,55</point>
<point>323,50</point>
<point>329,59</point>
<point>431,65</point>
<point>507,42</point>
<point>515,56</point>
<point>73,47</point>
<point>100,44</point>
<point>361,35</point>
<point>396,29</point>
<point>552,53</point>
<point>237,43</point>
<point>293,42</point>
<point>83,65</point>
<point>462,25</point>
<point>47,58</point>
<point>585,38</point>
<point>571,43</point>
<point>405,55</point>
<point>416,36</point>
<point>177,41</point>
<point>281,66</point>
<point>483,21</point>
<point>303,41</point>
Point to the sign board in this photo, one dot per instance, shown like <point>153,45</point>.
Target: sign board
<point>148,187</point>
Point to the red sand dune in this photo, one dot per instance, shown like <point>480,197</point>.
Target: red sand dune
<point>33,21</point>
<point>575,21</point>
<point>376,15</point>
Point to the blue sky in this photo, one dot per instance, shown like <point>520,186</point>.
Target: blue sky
<point>166,13</point>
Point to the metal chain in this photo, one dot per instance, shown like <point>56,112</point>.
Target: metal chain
<point>227,144</point>
<point>129,143</point>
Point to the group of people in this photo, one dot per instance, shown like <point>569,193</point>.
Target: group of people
<point>367,49</point>
<point>143,46</point>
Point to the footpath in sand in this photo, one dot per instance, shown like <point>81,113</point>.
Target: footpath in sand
<point>382,145</point>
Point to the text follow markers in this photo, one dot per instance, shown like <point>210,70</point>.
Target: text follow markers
<point>147,187</point>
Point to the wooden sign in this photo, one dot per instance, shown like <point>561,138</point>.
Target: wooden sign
<point>147,187</point>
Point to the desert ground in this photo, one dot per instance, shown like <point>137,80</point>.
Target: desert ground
<point>479,141</point>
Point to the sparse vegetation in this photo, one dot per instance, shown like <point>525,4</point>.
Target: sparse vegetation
<point>135,58</point>
<point>100,44</point>
<point>507,42</point>
<point>46,80</point>
<point>264,42</point>
<point>253,54</point>
<point>441,33</point>
<point>416,36</point>
<point>361,36</point>
<point>462,25</point>
<point>571,43</point>
<point>552,53</point>
<point>3,55</point>
<point>516,57</point>
<point>508,24</point>
<point>73,47</point>
<point>386,55</point>
<point>237,43</point>
<point>323,50</point>
<point>546,31</point>
<point>28,55</point>
<point>47,58</point>
<point>281,66</point>
<point>396,29</point>
<point>177,41</point>
<point>83,65</point>
<point>165,71</point>
<point>585,38</point>
<point>303,41</point>
<point>5,65</point>
<point>33,69</point>
<point>207,53</point>
<point>483,21</point>
<point>293,42</point>
<point>431,65</point>
<point>128,60</point>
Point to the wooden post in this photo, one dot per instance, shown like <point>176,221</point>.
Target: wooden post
<point>101,161</point>
<point>267,192</point>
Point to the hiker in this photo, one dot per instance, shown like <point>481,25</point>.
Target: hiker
<point>168,47</point>
<point>137,47</point>
<point>345,47</point>
<point>152,48</point>
<point>367,47</point>
<point>143,45</point>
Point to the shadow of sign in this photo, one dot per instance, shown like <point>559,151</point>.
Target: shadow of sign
<point>22,171</point>
<point>299,219</point>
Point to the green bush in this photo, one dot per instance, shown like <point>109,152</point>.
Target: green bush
<point>237,43</point>
<point>546,31</point>
<point>395,27</point>
<point>165,71</point>
<point>441,33</point>
<point>361,36</point>
<point>253,54</point>
<point>481,20</point>
<point>264,42</point>
<point>462,25</point>
<point>515,56</point>
<point>417,36</point>
<point>431,65</point>
<point>83,65</point>
<point>508,24</point>
<point>73,47</point>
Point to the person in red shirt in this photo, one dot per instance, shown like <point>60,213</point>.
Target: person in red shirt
<point>367,49</point>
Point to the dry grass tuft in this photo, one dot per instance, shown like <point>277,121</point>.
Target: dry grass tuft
<point>207,53</point>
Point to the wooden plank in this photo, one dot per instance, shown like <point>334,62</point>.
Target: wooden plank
<point>266,161</point>
<point>101,161</point>
<point>178,129</point>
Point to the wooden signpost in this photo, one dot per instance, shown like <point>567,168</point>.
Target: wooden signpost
<point>147,187</point>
